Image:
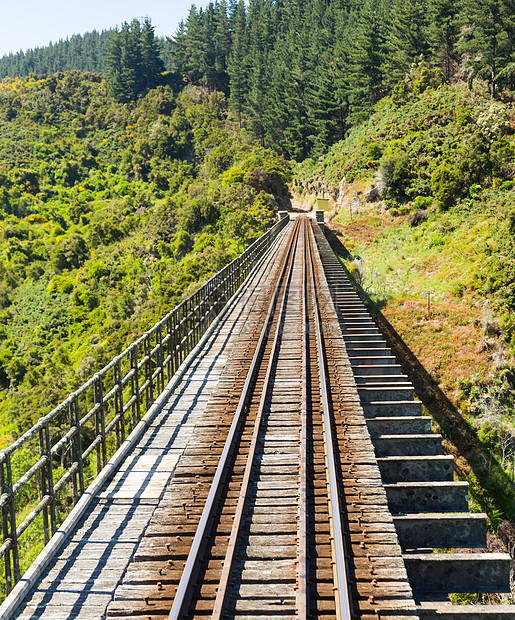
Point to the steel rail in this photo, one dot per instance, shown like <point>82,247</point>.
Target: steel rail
<point>343,604</point>
<point>228,563</point>
<point>182,596</point>
<point>303,565</point>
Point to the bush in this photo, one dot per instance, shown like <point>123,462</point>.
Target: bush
<point>422,202</point>
<point>445,185</point>
<point>69,253</point>
<point>374,151</point>
<point>105,228</point>
<point>418,217</point>
<point>394,170</point>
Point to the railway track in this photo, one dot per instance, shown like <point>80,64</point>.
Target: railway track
<point>278,508</point>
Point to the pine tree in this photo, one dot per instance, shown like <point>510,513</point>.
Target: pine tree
<point>408,39</point>
<point>443,35</point>
<point>114,64</point>
<point>260,46</point>
<point>152,64</point>
<point>368,61</point>
<point>133,60</point>
<point>237,61</point>
<point>485,40</point>
<point>193,47</point>
<point>222,46</point>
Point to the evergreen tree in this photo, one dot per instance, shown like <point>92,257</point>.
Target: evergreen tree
<point>486,41</point>
<point>222,45</point>
<point>443,35</point>
<point>133,60</point>
<point>178,48</point>
<point>408,38</point>
<point>237,61</point>
<point>152,64</point>
<point>114,64</point>
<point>259,50</point>
<point>80,52</point>
<point>195,46</point>
<point>368,61</point>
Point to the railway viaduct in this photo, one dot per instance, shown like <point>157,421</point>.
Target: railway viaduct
<point>258,453</point>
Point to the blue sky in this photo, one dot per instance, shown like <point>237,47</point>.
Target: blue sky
<point>34,23</point>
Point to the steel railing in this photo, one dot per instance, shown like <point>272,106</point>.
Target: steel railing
<point>66,448</point>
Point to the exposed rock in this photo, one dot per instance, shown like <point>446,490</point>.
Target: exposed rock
<point>373,195</point>
<point>342,190</point>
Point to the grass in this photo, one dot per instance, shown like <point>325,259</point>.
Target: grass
<point>401,267</point>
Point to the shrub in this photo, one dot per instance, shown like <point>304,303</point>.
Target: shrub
<point>374,151</point>
<point>181,244</point>
<point>446,185</point>
<point>394,170</point>
<point>422,202</point>
<point>105,228</point>
<point>418,217</point>
<point>69,253</point>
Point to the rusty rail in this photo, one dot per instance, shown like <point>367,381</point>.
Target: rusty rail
<point>341,580</point>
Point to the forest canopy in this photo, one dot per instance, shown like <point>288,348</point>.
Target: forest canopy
<point>296,74</point>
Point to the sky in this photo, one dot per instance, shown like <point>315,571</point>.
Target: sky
<point>27,24</point>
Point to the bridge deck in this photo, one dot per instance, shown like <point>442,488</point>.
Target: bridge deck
<point>331,447</point>
<point>81,582</point>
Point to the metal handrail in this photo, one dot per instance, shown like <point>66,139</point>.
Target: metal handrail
<point>104,410</point>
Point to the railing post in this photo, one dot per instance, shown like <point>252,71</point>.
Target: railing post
<point>76,448</point>
<point>186,323</point>
<point>136,413</point>
<point>148,372</point>
<point>100,421</point>
<point>174,340</point>
<point>216,296</point>
<point>9,526</point>
<point>196,317</point>
<point>160,378</point>
<point>47,483</point>
<point>190,325</point>
<point>73,451</point>
<point>169,347</point>
<point>6,531</point>
<point>118,403</point>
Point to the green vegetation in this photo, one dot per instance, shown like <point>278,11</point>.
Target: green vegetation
<point>134,61</point>
<point>88,52</point>
<point>299,75</point>
<point>109,214</point>
<point>79,52</point>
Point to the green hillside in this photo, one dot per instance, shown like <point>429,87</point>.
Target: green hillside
<point>109,214</point>
<point>423,201</point>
